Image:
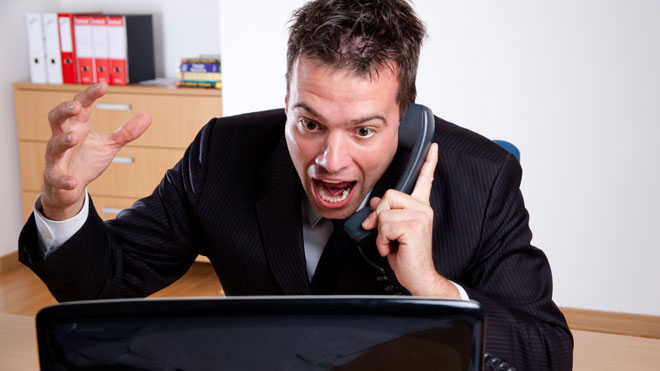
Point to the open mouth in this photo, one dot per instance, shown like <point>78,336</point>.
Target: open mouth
<point>333,193</point>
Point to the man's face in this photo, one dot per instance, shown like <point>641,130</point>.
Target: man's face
<point>341,131</point>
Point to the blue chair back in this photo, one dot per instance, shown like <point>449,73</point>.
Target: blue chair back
<point>509,147</point>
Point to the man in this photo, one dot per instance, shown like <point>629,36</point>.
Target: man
<point>258,194</point>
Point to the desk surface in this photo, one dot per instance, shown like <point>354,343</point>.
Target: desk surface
<point>593,350</point>
<point>18,343</point>
<point>600,351</point>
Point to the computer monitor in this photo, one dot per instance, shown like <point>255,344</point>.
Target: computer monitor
<point>262,333</point>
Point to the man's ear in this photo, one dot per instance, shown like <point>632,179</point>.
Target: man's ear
<point>286,103</point>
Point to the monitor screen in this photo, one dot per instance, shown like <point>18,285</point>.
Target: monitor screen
<point>263,333</point>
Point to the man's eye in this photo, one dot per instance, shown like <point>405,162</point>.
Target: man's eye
<point>309,125</point>
<point>364,132</point>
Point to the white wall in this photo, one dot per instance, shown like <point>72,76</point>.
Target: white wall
<point>181,29</point>
<point>574,84</point>
<point>15,67</point>
<point>255,35</point>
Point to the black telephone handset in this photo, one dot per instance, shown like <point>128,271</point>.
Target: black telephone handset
<point>415,136</point>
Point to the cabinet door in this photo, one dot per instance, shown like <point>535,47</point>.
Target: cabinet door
<point>176,119</point>
<point>134,172</point>
<point>28,198</point>
<point>109,207</point>
<point>32,107</point>
<point>31,156</point>
<point>106,207</point>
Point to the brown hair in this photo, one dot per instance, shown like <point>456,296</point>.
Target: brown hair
<point>359,35</point>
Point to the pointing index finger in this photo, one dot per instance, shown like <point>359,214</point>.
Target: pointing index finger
<point>422,190</point>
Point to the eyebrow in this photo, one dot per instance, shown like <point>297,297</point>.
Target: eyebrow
<point>353,122</point>
<point>309,109</point>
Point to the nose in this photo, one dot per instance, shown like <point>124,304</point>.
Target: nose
<point>335,155</point>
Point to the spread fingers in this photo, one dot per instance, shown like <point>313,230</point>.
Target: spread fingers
<point>91,94</point>
<point>58,116</point>
<point>59,144</point>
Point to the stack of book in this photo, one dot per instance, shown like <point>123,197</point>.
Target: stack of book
<point>86,48</point>
<point>199,73</point>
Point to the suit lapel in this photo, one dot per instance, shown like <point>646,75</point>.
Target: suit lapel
<point>280,222</point>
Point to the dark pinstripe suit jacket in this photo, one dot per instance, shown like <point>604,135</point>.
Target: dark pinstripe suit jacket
<point>235,197</point>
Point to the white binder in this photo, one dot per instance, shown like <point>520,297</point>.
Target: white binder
<point>36,48</point>
<point>52,46</point>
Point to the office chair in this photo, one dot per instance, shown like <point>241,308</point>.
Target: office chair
<point>509,147</point>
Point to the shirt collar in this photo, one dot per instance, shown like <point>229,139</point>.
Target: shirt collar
<point>312,216</point>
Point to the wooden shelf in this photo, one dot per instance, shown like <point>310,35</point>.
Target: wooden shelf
<point>128,89</point>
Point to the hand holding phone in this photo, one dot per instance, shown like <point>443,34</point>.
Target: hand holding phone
<point>402,226</point>
<point>415,136</point>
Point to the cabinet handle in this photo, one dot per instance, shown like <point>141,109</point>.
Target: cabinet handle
<point>123,160</point>
<point>110,210</point>
<point>113,106</point>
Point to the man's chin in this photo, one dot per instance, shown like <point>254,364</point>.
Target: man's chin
<point>341,213</point>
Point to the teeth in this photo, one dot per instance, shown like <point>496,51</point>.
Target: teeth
<point>332,181</point>
<point>339,198</point>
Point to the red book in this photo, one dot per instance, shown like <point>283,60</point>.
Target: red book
<point>131,48</point>
<point>100,48</point>
<point>117,50</point>
<point>67,48</point>
<point>82,30</point>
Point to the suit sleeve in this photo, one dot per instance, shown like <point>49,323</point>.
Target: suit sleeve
<point>143,250</point>
<point>513,282</point>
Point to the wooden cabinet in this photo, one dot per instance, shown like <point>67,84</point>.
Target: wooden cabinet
<point>177,116</point>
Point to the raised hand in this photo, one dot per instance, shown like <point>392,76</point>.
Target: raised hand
<point>76,155</point>
<point>405,230</point>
